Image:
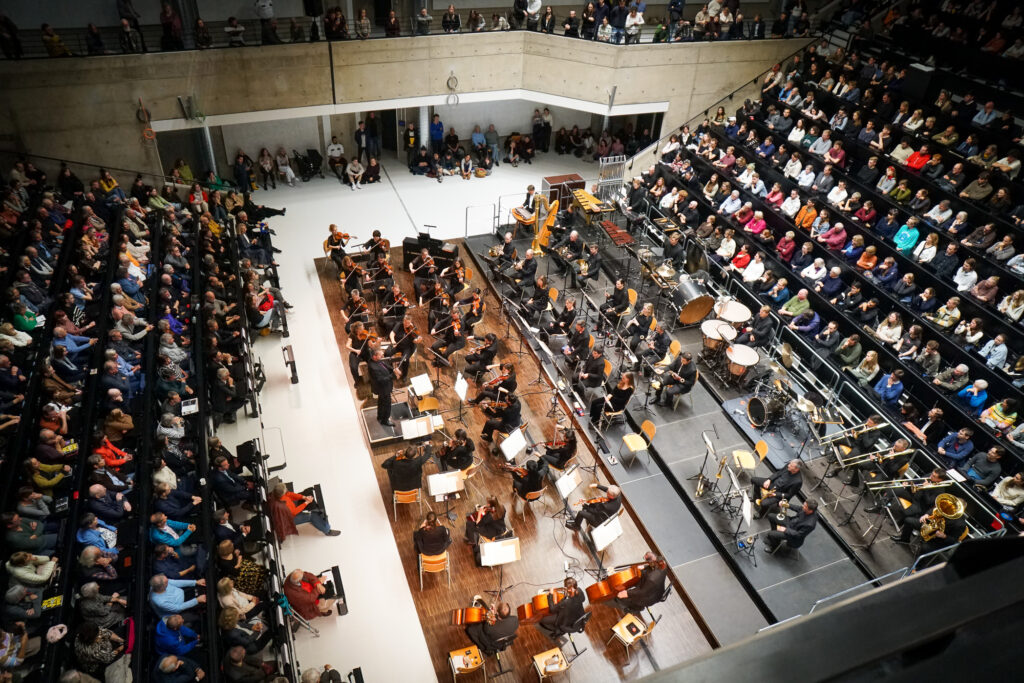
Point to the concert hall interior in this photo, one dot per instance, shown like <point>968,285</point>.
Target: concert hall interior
<point>682,345</point>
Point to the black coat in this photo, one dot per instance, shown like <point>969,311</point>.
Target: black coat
<point>405,474</point>
<point>798,527</point>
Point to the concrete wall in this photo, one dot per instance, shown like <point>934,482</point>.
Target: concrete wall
<point>86,109</point>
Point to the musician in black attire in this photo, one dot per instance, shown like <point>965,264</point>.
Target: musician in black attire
<point>615,400</point>
<point>526,271</point>
<point>530,202</point>
<point>674,251</point>
<point>487,521</point>
<point>405,468</point>
<point>359,350</point>
<point>336,246</point>
<point>656,349</point>
<point>760,331</point>
<point>382,381</point>
<point>558,453</point>
<point>562,323</point>
<point>380,276</point>
<point>566,219</point>
<point>423,270</point>
<point>439,303</point>
<point>601,509</point>
<point>403,340</point>
<point>537,302</point>
<point>860,441</point>
<point>432,537</point>
<point>376,245</point>
<point>532,481</point>
<point>593,259</point>
<point>884,465</point>
<point>573,241</point>
<point>578,343</point>
<point>487,636</point>
<point>507,249</point>
<point>637,328</point>
<point>476,309</point>
<point>479,360</point>
<point>781,485</point>
<point>592,373</point>
<point>679,378</point>
<point>922,505</point>
<point>498,388</point>
<point>651,588</point>
<point>451,340</point>
<point>355,309</point>
<point>795,529</point>
<point>921,498</point>
<point>391,306</point>
<point>564,614</point>
<point>636,203</point>
<point>615,304</point>
<point>931,428</point>
<point>458,453</point>
<point>504,419</point>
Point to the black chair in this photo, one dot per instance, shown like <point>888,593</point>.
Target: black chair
<point>664,597</point>
<point>499,647</point>
<point>579,626</point>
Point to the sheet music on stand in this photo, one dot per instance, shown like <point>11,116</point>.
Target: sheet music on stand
<point>442,484</point>
<point>569,481</point>
<point>461,386</point>
<point>421,385</point>
<point>421,426</point>
<point>495,553</point>
<point>606,532</point>
<point>513,445</point>
<point>747,510</point>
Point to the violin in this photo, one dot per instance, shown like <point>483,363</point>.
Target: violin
<point>540,606</point>
<point>593,501</point>
<point>607,589</point>
<point>456,327</point>
<point>497,380</point>
<point>363,335</point>
<point>400,300</point>
<point>521,471</point>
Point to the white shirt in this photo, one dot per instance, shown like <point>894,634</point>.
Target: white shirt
<point>335,151</point>
<point>836,195</point>
<point>727,249</point>
<point>793,168</point>
<point>668,200</point>
<point>813,272</point>
<point>796,135</point>
<point>753,271</point>
<point>965,279</point>
<point>924,253</point>
<point>791,206</point>
<point>805,179</point>
<point>731,205</point>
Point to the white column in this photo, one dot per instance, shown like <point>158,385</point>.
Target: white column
<point>424,126</point>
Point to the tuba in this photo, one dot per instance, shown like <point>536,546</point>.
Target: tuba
<point>947,506</point>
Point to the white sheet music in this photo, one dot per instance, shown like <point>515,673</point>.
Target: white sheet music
<point>747,509</point>
<point>443,483</point>
<point>421,384</point>
<point>513,445</point>
<point>568,482</point>
<point>461,386</point>
<point>606,532</point>
<point>499,552</point>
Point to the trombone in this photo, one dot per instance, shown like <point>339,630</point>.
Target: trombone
<point>880,456</point>
<point>915,484</point>
<point>852,432</point>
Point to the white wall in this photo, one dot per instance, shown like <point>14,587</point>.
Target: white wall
<point>507,116</point>
<point>297,134</point>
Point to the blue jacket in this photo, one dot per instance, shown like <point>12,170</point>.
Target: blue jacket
<point>170,642</point>
<point>889,395</point>
<point>954,449</point>
<point>782,297</point>
<point>437,131</point>
<point>158,536</point>
<point>831,286</point>
<point>811,327</point>
<point>975,403</point>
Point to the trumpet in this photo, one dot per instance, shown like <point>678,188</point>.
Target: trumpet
<point>915,484</point>
<point>852,432</point>
<point>880,455</point>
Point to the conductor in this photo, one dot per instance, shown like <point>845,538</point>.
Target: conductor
<point>382,381</point>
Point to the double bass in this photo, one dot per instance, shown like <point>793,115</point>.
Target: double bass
<point>539,606</point>
<point>608,588</point>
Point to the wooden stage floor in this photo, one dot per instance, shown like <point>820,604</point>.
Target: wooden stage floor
<point>545,543</point>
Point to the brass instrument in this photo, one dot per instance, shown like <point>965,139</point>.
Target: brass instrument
<point>851,432</point>
<point>583,266</point>
<point>915,484</point>
<point>780,517</point>
<point>495,251</point>
<point>880,456</point>
<point>947,506</point>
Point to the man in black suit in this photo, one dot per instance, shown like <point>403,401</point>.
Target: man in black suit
<point>563,614</point>
<point>530,203</point>
<point>488,637</point>
<point>760,331</point>
<point>503,419</point>
<point>382,378</point>
<point>578,343</point>
<point>526,271</point>
<point>782,485</point>
<point>242,535</point>
<point>591,375</point>
<point>507,249</point>
<point>405,469</point>
<point>231,488</point>
<point>679,378</point>
<point>650,589</point>
<point>598,511</point>
<point>656,349</point>
<point>674,251</point>
<point>432,537</point>
<point>616,303</point>
<point>459,452</point>
<point>795,529</point>
<point>558,453</point>
<point>593,259</point>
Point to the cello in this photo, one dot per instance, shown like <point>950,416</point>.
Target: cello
<point>608,588</point>
<point>539,606</point>
<point>473,615</point>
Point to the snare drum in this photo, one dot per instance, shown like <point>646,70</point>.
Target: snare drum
<point>645,255</point>
<point>732,311</point>
<point>740,358</point>
<point>693,300</point>
<point>764,411</point>
<point>716,334</point>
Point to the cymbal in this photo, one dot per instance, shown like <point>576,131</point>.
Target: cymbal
<point>777,369</point>
<point>786,355</point>
<point>804,405</point>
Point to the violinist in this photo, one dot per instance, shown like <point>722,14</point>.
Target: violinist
<point>423,269</point>
<point>591,375</point>
<point>360,345</point>
<point>449,335</point>
<point>479,361</point>
<point>438,302</point>
<point>487,521</point>
<point>382,381</point>
<point>503,385</point>
<point>405,468</point>
<point>355,310</point>
<point>638,328</point>
<point>457,453</point>
<point>538,300</point>
<point>501,623</point>
<point>395,303</point>
<point>562,324</point>
<point>596,510</point>
<point>404,338</point>
<point>564,614</point>
<point>503,416</point>
<point>377,245</point>
<point>351,274</point>
<point>507,249</point>
<point>651,587</point>
<point>336,242</point>
<point>615,305</point>
<point>476,309</point>
<point>557,453</point>
<point>454,276</point>
<point>381,274</point>
<point>528,479</point>
<point>431,537</point>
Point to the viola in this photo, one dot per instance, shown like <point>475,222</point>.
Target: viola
<point>607,589</point>
<point>521,471</point>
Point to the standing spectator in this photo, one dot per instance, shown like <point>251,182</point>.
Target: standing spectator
<point>362,25</point>
<point>423,21</point>
<point>634,21</point>
<point>170,22</point>
<point>126,10</point>
<point>437,134</point>
<point>450,21</point>
<point>10,44</point>
<point>617,18</point>
<point>392,27</point>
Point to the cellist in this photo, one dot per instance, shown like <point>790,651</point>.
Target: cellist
<point>650,589</point>
<point>563,614</point>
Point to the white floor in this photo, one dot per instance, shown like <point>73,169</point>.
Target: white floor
<point>314,424</point>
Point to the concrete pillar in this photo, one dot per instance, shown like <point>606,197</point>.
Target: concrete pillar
<point>424,126</point>
<point>211,160</point>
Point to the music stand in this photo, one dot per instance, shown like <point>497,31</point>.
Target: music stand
<point>746,516</point>
<point>498,554</point>
<point>513,445</point>
<point>709,451</point>
<point>461,388</point>
<point>446,484</point>
<point>602,536</point>
<point>421,385</point>
<point>441,361</point>
<point>733,490</point>
<point>566,484</point>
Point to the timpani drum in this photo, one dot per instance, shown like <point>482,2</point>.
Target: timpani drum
<point>764,411</point>
<point>693,300</point>
<point>716,334</point>
<point>739,359</point>
<point>732,311</point>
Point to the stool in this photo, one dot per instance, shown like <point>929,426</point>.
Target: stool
<point>629,630</point>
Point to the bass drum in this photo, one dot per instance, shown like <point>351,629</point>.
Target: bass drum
<point>764,411</point>
<point>696,259</point>
<point>693,300</point>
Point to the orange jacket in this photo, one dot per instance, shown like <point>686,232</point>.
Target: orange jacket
<point>296,503</point>
<point>805,218</point>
